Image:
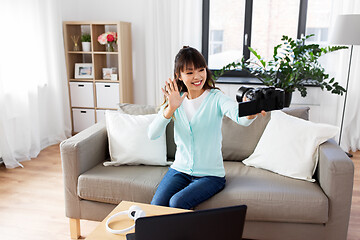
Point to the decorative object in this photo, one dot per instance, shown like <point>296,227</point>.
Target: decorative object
<point>107,73</point>
<point>114,77</point>
<point>129,143</point>
<point>294,65</point>
<point>109,47</point>
<point>289,146</point>
<point>346,31</point>
<point>108,39</point>
<point>84,70</point>
<point>75,39</point>
<point>86,42</point>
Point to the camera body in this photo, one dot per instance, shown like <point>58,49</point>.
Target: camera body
<point>261,98</point>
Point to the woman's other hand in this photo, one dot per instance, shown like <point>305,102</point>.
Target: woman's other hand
<point>263,113</point>
<point>174,99</point>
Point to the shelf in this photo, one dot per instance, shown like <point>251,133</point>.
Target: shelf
<point>92,80</point>
<point>105,61</point>
<point>97,30</point>
<point>106,53</point>
<point>101,90</point>
<point>94,108</point>
<point>102,52</point>
<point>72,59</point>
<point>79,52</point>
<point>81,80</point>
<point>106,80</point>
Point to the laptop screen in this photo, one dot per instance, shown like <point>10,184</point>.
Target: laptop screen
<point>220,223</point>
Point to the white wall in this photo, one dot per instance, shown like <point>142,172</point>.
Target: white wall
<point>133,11</point>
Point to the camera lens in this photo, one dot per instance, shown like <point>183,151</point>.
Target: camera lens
<point>250,94</point>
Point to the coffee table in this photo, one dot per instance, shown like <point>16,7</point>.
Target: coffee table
<point>123,221</point>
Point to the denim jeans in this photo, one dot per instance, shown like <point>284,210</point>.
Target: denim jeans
<point>181,190</point>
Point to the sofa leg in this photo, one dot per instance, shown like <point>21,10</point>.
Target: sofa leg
<point>74,228</point>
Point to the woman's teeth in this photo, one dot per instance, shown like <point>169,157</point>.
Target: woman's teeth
<point>197,83</point>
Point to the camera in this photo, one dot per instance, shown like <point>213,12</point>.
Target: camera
<point>262,98</point>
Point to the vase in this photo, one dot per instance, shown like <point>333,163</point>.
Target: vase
<point>76,47</point>
<point>109,47</point>
<point>86,46</point>
<point>287,101</point>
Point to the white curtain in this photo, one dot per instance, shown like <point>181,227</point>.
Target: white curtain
<point>339,63</point>
<point>33,92</point>
<point>170,26</point>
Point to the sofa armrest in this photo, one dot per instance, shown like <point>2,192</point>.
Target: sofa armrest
<point>336,177</point>
<point>79,154</point>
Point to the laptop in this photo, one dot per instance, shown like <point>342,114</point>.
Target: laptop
<point>212,224</point>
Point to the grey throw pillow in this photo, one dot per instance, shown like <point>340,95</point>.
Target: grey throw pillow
<point>238,141</point>
<point>136,109</point>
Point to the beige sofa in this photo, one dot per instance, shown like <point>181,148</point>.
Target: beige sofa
<point>278,207</point>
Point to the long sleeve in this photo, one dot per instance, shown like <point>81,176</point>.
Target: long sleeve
<point>158,125</point>
<point>230,109</point>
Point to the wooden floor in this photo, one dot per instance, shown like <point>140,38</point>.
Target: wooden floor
<point>32,201</point>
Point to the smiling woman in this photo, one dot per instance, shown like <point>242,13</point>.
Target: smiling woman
<point>32,93</point>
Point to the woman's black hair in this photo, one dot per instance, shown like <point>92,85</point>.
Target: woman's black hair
<point>189,56</point>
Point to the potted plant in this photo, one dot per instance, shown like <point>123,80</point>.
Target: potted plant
<point>294,66</point>
<point>85,41</point>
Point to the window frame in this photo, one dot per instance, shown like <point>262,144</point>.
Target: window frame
<point>301,28</point>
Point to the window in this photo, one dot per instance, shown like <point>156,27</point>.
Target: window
<point>318,21</point>
<point>226,22</point>
<point>216,41</point>
<point>321,35</point>
<point>270,21</point>
<point>230,26</point>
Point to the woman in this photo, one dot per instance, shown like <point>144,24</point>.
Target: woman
<point>197,108</point>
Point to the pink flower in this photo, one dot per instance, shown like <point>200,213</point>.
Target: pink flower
<point>107,37</point>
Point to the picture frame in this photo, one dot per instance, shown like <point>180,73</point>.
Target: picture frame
<point>84,70</point>
<point>107,72</point>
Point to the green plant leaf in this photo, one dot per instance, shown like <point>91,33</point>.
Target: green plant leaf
<point>294,64</point>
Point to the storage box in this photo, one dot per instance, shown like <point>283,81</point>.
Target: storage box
<point>82,94</point>
<point>82,119</point>
<point>107,95</point>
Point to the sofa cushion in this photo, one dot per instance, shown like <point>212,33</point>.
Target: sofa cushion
<point>137,109</point>
<point>114,184</point>
<point>239,142</point>
<point>129,143</point>
<point>289,146</point>
<point>300,112</point>
<point>270,197</point>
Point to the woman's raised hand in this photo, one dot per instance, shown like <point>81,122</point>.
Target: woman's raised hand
<point>174,99</point>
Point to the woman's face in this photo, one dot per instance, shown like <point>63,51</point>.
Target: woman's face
<point>194,79</point>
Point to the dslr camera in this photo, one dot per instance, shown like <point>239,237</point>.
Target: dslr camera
<point>261,98</point>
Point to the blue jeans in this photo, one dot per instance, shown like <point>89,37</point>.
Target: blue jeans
<point>180,190</point>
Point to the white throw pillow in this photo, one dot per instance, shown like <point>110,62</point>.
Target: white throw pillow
<point>289,146</point>
<point>129,143</point>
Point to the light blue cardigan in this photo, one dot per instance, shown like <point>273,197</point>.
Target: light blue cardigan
<point>198,142</point>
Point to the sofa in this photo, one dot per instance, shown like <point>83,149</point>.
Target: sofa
<point>279,207</point>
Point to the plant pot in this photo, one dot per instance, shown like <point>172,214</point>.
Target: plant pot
<point>86,46</point>
<point>287,101</point>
